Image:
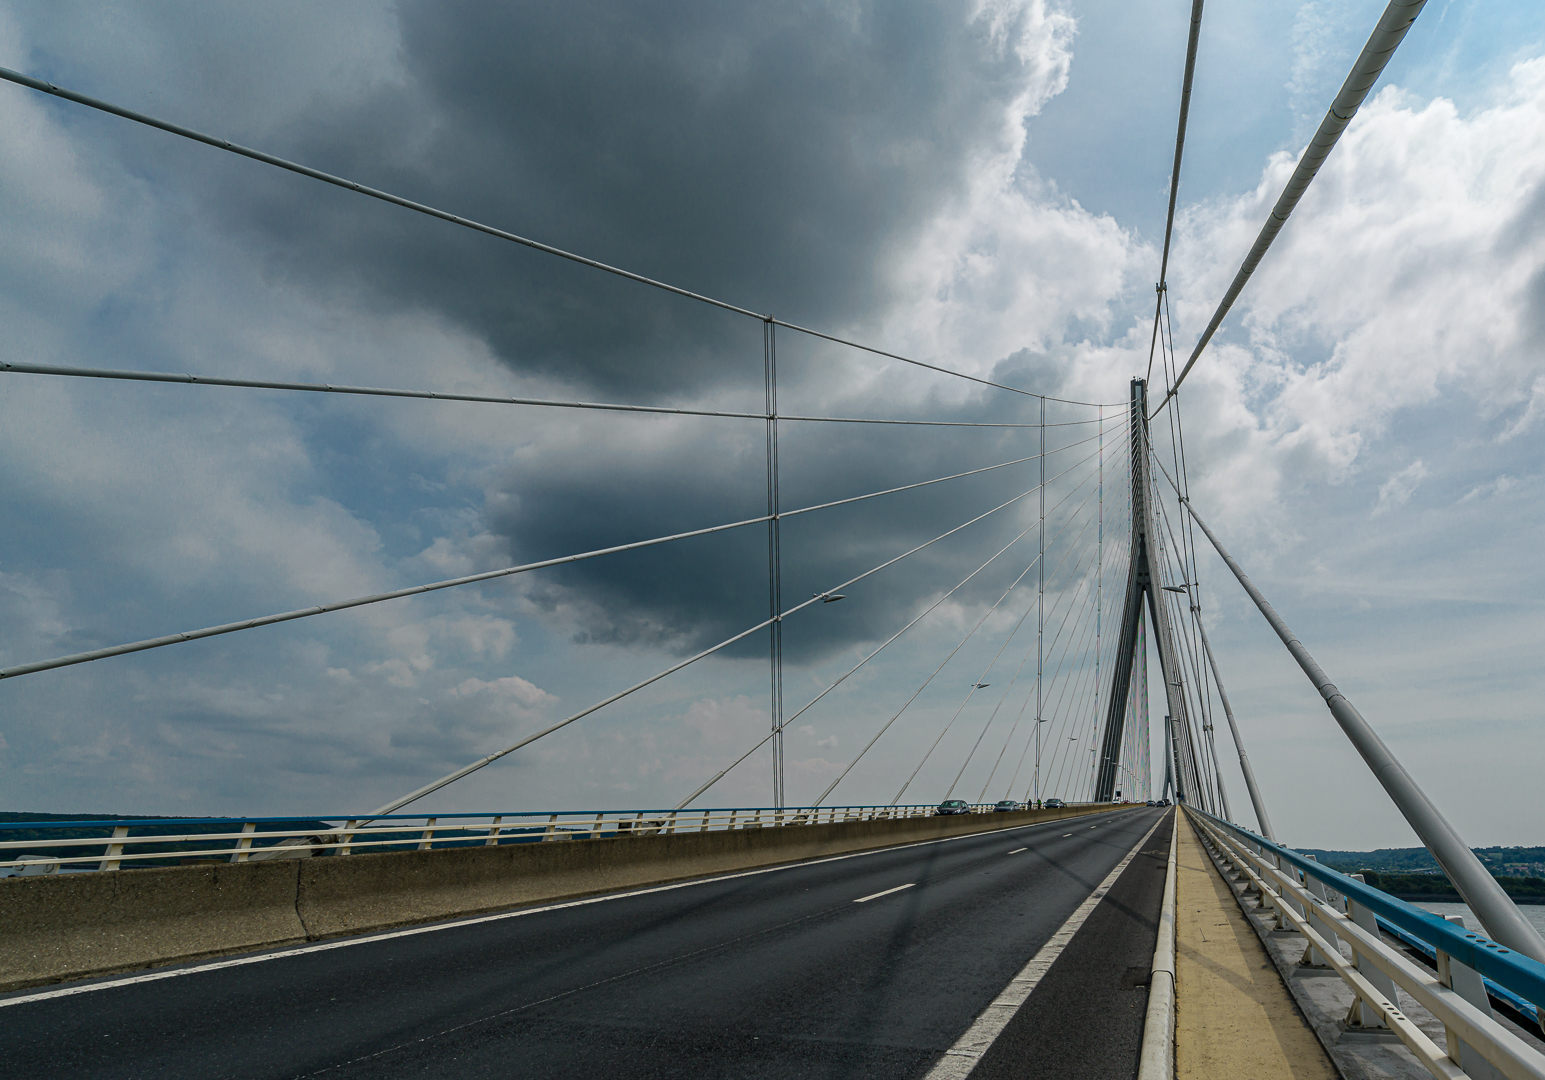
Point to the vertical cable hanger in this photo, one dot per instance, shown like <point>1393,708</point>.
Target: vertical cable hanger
<point>774,557</point>
<point>1040,608</point>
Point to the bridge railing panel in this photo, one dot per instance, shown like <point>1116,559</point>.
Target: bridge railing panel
<point>39,847</point>
<point>1330,908</point>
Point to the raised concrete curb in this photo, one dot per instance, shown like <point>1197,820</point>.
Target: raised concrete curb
<point>1158,1057</point>
<point>76,926</point>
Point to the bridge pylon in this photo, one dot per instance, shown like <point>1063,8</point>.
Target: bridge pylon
<point>1144,582</point>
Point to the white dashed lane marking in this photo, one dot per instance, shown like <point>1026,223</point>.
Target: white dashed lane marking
<point>887,892</point>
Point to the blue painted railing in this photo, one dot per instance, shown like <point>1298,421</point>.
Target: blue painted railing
<point>1522,976</point>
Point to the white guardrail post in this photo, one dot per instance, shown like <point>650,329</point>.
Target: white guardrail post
<point>1366,1015</point>
<point>1466,982</point>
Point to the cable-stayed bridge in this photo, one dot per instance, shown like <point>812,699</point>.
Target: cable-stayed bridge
<point>1025,903</point>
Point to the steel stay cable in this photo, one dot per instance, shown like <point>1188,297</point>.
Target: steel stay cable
<point>1498,914</point>
<point>1198,671</point>
<point>1051,719</point>
<point>907,704</point>
<point>474,766</point>
<point>1004,696</point>
<point>17,367</point>
<point>1069,696</point>
<point>830,788</point>
<point>866,660</point>
<point>967,700</point>
<point>1090,727</point>
<point>1174,175</point>
<point>723,773</point>
<point>1003,700</point>
<point>819,596</point>
<point>1382,43</point>
<point>1020,764</point>
<point>1083,615</point>
<point>469,579</point>
<point>1019,717</point>
<point>1191,577</point>
<point>455,219</point>
<point>969,634</point>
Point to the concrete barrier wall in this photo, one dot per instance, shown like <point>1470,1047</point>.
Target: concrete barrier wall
<point>75,926</point>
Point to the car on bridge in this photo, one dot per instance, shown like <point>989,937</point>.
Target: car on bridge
<point>1055,804</point>
<point>1005,805</point>
<point>953,806</point>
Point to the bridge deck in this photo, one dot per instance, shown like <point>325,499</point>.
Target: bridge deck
<point>870,965</point>
<point>1233,1015</point>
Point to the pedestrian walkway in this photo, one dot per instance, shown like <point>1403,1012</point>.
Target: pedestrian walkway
<point>1233,1016</point>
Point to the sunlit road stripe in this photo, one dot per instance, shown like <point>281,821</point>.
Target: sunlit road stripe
<point>1066,835</point>
<point>303,950</point>
<point>887,892</point>
<point>960,1059</point>
<point>1017,850</point>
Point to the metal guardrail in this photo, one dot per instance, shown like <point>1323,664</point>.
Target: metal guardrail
<point>1330,908</point>
<point>117,844</point>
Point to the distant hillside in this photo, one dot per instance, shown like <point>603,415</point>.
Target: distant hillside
<point>1412,874</point>
<point>1501,861</point>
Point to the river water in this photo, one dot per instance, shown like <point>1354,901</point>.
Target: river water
<point>1535,913</point>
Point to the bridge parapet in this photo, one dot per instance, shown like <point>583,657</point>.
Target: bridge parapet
<point>29,848</point>
<point>1359,933</point>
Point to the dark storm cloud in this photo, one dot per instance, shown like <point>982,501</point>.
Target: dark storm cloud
<point>688,595</point>
<point>780,157</point>
<point>776,156</point>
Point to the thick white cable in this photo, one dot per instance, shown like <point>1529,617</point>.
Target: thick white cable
<point>450,583</point>
<point>455,219</point>
<point>17,367</point>
<point>1386,37</point>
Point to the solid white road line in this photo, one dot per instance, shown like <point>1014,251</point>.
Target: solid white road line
<point>960,1059</point>
<point>887,892</point>
<point>302,950</point>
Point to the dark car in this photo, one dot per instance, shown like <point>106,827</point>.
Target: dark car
<point>953,806</point>
<point>1005,806</point>
<point>1054,804</point>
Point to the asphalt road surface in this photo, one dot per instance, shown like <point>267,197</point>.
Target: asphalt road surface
<point>870,965</point>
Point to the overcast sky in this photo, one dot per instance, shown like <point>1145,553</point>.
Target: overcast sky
<point>979,186</point>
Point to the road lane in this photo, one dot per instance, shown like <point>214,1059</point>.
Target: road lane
<point>767,974</point>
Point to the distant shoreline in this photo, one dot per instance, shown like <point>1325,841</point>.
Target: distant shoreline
<point>1455,898</point>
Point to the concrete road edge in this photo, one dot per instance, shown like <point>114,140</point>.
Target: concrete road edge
<point>1158,1059</point>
